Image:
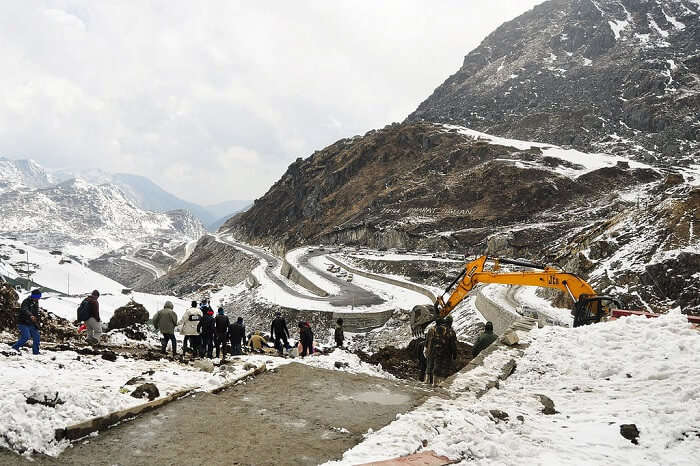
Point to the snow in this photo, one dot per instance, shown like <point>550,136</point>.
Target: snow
<point>630,371</point>
<point>71,277</point>
<point>89,387</point>
<point>617,27</point>
<point>588,161</point>
<point>354,364</point>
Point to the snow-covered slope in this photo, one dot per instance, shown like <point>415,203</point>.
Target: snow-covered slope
<point>22,174</point>
<point>87,219</point>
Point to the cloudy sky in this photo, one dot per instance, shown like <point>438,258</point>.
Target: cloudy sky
<point>212,100</point>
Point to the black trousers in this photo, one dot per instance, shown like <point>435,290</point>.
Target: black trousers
<point>220,343</point>
<point>207,347</point>
<point>164,342</point>
<point>278,343</point>
<point>306,348</point>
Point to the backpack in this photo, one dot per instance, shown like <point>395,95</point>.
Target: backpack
<point>84,311</point>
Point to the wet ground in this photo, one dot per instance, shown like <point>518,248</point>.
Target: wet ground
<point>297,415</point>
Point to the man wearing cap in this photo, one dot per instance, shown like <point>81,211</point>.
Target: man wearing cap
<point>28,322</point>
<point>94,325</point>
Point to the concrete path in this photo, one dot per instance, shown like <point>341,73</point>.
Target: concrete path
<point>297,415</point>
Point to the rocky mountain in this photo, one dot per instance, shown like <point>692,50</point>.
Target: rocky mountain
<point>88,218</point>
<point>618,76</point>
<point>149,196</point>
<point>609,189</point>
<point>22,174</point>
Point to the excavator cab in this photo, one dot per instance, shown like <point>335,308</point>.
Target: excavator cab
<point>590,310</point>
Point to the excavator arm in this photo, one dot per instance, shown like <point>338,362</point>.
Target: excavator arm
<point>588,307</point>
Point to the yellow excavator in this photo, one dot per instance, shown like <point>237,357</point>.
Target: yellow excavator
<point>588,306</point>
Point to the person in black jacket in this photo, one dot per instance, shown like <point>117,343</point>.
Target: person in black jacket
<point>280,332</point>
<point>306,337</point>
<point>236,335</point>
<point>221,324</point>
<point>29,322</point>
<point>206,328</point>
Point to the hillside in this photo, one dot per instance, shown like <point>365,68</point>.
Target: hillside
<point>599,75</point>
<point>617,81</point>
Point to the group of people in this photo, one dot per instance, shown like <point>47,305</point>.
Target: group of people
<point>203,332</point>
<point>207,335</point>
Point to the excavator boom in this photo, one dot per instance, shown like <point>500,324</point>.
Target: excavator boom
<point>587,303</point>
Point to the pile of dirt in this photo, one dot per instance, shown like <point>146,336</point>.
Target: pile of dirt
<point>402,362</point>
<point>125,316</point>
<point>9,303</point>
<point>53,328</point>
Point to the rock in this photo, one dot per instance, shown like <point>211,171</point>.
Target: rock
<point>109,355</point>
<point>9,302</point>
<point>510,338</point>
<point>132,313</point>
<point>630,432</point>
<point>520,418</point>
<point>547,403</point>
<point>498,415</point>
<point>673,179</point>
<point>135,380</point>
<point>147,389</point>
<point>340,364</point>
<point>248,366</point>
<point>204,365</point>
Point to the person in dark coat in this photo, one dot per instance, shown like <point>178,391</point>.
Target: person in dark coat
<point>165,320</point>
<point>221,324</point>
<point>280,333</point>
<point>419,349</point>
<point>236,336</point>
<point>29,322</point>
<point>206,329</point>
<point>339,334</point>
<point>444,351</point>
<point>484,340</point>
<point>306,337</point>
<point>94,324</point>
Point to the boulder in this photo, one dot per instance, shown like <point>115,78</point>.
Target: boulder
<point>248,366</point>
<point>498,415</point>
<point>547,404</point>
<point>109,355</point>
<point>510,338</point>
<point>9,302</point>
<point>148,389</point>
<point>630,432</point>
<point>125,316</point>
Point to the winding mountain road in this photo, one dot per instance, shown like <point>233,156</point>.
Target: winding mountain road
<point>349,294</point>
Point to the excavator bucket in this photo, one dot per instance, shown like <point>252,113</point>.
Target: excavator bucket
<point>421,316</point>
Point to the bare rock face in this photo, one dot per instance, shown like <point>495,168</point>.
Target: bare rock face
<point>610,75</point>
<point>148,390</point>
<point>125,316</point>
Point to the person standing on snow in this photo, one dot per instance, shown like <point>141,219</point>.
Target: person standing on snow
<point>236,335</point>
<point>165,320</point>
<point>94,324</point>
<point>29,322</point>
<point>484,340</point>
<point>443,350</point>
<point>306,338</point>
<point>188,328</point>
<point>280,332</point>
<point>206,328</point>
<point>221,324</point>
<point>339,334</point>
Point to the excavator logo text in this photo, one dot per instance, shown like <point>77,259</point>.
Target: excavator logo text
<point>553,280</point>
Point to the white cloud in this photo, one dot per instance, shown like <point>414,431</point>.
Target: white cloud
<point>219,92</point>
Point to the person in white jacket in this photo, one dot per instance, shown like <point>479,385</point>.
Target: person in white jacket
<point>188,328</point>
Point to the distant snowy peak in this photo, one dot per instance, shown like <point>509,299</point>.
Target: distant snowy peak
<point>22,174</point>
<point>87,219</point>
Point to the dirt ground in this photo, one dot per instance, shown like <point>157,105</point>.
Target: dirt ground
<point>296,415</point>
<point>402,362</point>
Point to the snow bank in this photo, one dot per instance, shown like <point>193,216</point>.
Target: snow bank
<point>630,371</point>
<point>89,387</point>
